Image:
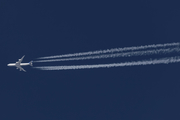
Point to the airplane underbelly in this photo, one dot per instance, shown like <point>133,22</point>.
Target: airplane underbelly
<point>11,64</point>
<point>24,64</point>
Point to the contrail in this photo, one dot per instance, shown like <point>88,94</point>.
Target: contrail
<point>134,63</point>
<point>125,54</point>
<point>113,50</point>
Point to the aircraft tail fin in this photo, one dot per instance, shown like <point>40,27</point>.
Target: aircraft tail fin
<point>31,63</point>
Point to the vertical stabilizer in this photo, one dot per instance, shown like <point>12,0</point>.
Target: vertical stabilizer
<point>31,63</point>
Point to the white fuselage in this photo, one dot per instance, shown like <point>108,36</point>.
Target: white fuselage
<point>22,64</point>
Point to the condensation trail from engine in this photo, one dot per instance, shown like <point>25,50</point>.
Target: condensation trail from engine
<point>154,46</point>
<point>134,63</point>
<point>124,54</point>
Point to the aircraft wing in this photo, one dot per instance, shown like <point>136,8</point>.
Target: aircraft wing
<point>20,60</point>
<point>20,68</point>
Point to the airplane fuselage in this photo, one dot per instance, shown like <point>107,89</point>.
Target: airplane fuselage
<point>15,64</point>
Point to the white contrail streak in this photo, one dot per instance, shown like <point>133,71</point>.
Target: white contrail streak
<point>134,63</point>
<point>125,54</point>
<point>113,50</point>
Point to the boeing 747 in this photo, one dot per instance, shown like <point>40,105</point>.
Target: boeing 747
<point>19,64</point>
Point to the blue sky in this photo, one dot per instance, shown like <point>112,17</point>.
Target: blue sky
<point>43,28</point>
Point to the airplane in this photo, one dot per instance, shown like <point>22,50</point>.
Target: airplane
<point>18,64</point>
